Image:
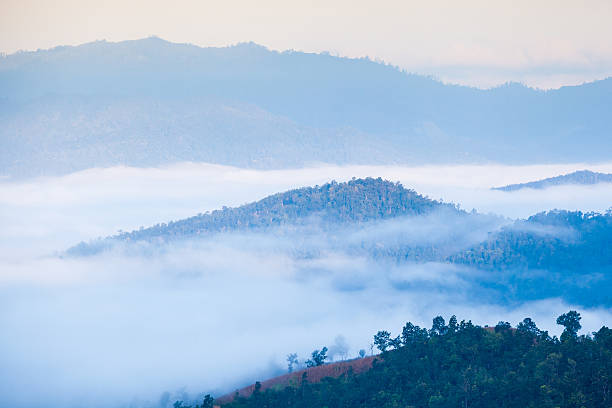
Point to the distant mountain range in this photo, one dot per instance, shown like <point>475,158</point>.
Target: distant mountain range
<point>582,177</point>
<point>558,253</point>
<point>150,102</point>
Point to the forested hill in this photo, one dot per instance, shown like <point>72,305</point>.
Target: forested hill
<point>553,254</point>
<point>359,200</point>
<point>581,177</point>
<point>462,365</point>
<point>554,241</point>
<point>150,102</point>
<point>570,241</point>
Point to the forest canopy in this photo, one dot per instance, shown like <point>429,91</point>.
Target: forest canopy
<point>460,364</point>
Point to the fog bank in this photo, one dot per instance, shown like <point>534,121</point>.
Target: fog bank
<point>119,329</point>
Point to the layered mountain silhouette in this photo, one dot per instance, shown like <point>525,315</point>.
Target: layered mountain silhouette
<point>581,177</point>
<point>151,102</point>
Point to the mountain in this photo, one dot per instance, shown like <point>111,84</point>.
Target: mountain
<point>551,254</point>
<point>581,177</point>
<point>556,253</point>
<point>356,201</point>
<point>388,221</point>
<point>338,212</point>
<point>554,240</point>
<point>457,365</point>
<point>150,102</point>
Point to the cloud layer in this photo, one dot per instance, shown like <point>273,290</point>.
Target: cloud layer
<point>118,329</point>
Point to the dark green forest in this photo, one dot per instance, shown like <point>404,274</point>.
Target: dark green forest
<point>463,365</point>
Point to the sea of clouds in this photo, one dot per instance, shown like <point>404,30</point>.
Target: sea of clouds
<point>121,328</point>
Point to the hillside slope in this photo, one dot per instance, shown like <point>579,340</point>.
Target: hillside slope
<point>67,108</point>
<point>356,201</point>
<point>581,177</point>
<point>311,375</point>
<point>554,240</point>
<point>463,365</point>
<point>556,253</point>
<point>390,229</point>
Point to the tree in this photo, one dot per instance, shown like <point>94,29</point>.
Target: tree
<point>604,336</point>
<point>292,361</point>
<point>413,334</point>
<point>571,322</point>
<point>438,326</point>
<point>208,402</point>
<point>318,358</point>
<point>452,324</point>
<point>381,340</point>
<point>502,327</point>
<point>528,327</point>
<point>395,342</point>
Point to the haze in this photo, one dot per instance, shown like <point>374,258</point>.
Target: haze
<point>120,329</point>
<point>121,115</point>
<point>544,44</point>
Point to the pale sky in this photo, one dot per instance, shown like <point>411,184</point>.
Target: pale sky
<point>540,43</point>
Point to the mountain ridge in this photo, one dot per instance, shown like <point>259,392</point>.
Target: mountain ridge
<point>390,227</point>
<point>64,109</point>
<point>355,201</point>
<point>254,46</point>
<point>579,177</point>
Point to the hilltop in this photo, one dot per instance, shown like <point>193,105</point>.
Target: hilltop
<point>355,201</point>
<point>550,254</point>
<point>456,364</point>
<point>307,210</point>
<point>581,177</point>
<point>151,102</point>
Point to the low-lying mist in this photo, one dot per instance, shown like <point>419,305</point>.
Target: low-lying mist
<point>122,327</point>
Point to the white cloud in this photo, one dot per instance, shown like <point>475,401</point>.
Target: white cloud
<point>118,327</point>
<point>59,211</point>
